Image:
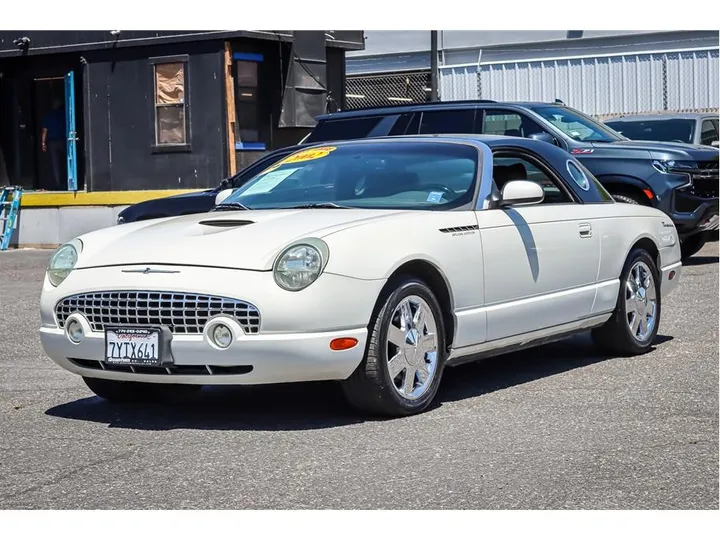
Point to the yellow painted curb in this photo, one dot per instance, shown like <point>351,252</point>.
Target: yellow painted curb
<point>95,198</point>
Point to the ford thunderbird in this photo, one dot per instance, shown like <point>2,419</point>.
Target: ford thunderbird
<point>376,263</point>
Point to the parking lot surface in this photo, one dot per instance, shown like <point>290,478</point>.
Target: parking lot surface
<point>554,427</point>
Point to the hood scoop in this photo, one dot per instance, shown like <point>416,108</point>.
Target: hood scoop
<point>226,223</point>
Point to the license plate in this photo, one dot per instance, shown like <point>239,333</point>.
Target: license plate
<point>138,346</point>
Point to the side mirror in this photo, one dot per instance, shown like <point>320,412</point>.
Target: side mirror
<point>544,137</point>
<point>221,196</point>
<point>521,193</point>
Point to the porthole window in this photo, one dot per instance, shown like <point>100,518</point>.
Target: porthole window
<point>578,176</point>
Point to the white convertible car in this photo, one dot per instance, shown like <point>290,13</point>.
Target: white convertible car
<point>376,262</point>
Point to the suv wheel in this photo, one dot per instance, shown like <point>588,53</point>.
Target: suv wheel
<point>624,198</point>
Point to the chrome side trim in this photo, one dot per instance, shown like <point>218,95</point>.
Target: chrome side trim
<point>523,341</point>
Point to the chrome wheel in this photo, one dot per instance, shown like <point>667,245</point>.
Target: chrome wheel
<point>640,301</point>
<point>412,344</point>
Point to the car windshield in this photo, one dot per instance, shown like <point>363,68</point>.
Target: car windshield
<point>667,130</point>
<point>578,126</point>
<point>383,175</point>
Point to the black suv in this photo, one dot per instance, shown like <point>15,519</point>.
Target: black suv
<point>679,179</point>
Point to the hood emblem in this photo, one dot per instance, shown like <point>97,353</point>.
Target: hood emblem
<point>149,270</point>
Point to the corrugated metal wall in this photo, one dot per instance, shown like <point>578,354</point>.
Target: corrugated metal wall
<point>601,86</point>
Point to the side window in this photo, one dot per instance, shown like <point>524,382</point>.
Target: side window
<point>709,132</point>
<point>400,125</point>
<point>339,130</point>
<point>448,121</point>
<point>508,166</point>
<point>512,124</point>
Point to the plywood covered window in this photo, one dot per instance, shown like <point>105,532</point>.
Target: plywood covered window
<point>170,92</point>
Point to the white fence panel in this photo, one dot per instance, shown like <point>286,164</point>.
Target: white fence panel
<point>600,86</point>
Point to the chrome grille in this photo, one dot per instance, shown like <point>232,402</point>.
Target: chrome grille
<point>705,180</point>
<point>183,313</point>
<point>703,177</point>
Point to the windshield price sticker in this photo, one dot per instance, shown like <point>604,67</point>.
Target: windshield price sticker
<point>304,155</point>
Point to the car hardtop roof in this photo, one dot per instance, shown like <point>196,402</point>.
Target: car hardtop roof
<point>661,116</point>
<point>403,108</point>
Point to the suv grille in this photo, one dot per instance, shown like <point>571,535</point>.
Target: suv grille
<point>704,179</point>
<point>183,313</point>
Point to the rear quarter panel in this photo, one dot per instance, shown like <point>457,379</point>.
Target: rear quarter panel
<point>621,227</point>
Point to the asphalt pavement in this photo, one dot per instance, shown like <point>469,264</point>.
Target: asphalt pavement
<point>551,428</point>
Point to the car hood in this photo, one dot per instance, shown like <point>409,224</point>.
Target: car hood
<point>247,240</point>
<point>665,150</point>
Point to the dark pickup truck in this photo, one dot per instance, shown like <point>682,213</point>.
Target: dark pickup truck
<point>679,179</point>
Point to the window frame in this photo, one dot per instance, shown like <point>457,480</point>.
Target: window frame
<point>713,125</point>
<point>155,146</point>
<point>257,59</point>
<point>540,163</point>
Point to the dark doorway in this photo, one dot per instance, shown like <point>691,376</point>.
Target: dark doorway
<point>30,88</point>
<point>51,131</point>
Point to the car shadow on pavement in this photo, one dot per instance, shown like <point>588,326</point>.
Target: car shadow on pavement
<point>508,370</point>
<point>307,406</point>
<point>281,407</point>
<point>698,260</point>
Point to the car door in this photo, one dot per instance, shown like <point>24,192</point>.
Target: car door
<point>540,261</point>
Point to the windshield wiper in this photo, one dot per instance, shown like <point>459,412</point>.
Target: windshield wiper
<point>229,206</point>
<point>319,205</point>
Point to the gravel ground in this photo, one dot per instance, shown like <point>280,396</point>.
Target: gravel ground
<point>554,427</point>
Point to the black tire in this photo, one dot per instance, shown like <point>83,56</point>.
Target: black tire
<point>370,388</point>
<point>624,198</point>
<point>136,392</point>
<point>692,244</point>
<point>615,336</point>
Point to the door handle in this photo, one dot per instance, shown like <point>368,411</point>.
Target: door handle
<point>585,230</point>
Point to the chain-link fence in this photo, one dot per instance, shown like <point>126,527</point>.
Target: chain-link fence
<point>387,89</point>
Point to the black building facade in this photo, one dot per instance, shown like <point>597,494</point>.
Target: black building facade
<point>127,110</point>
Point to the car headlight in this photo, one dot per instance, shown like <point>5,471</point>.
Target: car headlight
<point>300,264</point>
<point>63,262</point>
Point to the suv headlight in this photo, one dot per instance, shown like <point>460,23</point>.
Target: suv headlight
<point>669,166</point>
<point>301,264</point>
<point>63,261</point>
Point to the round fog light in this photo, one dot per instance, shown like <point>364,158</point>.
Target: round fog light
<point>75,331</point>
<point>222,336</point>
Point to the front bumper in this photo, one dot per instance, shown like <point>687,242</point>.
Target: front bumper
<point>704,216</point>
<point>261,359</point>
<point>292,344</point>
